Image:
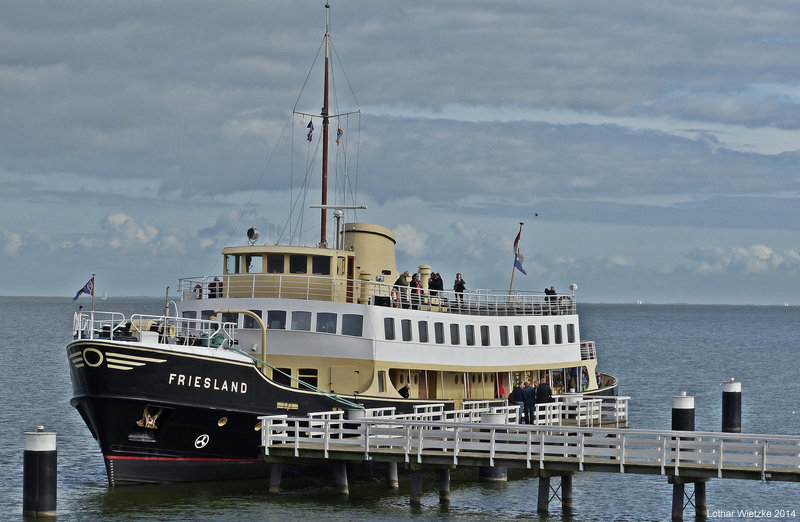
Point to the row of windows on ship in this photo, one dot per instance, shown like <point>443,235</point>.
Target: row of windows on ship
<point>440,333</point>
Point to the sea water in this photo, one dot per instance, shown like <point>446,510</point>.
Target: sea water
<point>656,352</point>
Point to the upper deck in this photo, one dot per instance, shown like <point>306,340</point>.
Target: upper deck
<point>341,289</point>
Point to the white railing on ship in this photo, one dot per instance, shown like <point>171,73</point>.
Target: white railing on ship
<point>293,286</point>
<point>669,452</point>
<point>155,328</point>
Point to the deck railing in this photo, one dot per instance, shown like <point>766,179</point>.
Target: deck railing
<point>153,328</point>
<point>328,288</point>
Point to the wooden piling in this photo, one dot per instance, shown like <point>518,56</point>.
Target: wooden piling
<point>275,478</point>
<point>391,475</point>
<point>543,504</point>
<point>444,486</point>
<point>340,479</point>
<point>416,487</point>
<point>677,500</point>
<point>566,493</point>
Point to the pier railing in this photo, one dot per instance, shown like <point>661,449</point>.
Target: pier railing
<point>677,453</point>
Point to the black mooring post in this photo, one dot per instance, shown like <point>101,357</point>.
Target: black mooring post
<point>732,407</point>
<point>40,465</point>
<point>682,420</point>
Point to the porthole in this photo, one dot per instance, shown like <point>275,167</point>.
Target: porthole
<point>456,379</point>
<point>480,378</point>
<point>491,377</point>
<point>473,378</point>
<point>416,379</point>
<point>222,421</point>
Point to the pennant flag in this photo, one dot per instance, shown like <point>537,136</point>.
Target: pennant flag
<point>310,128</point>
<point>518,257</point>
<point>88,288</point>
<point>338,135</point>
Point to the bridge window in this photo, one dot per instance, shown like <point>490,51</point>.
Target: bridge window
<point>254,264</point>
<point>381,381</point>
<point>485,340</point>
<point>388,328</point>
<point>454,336</point>
<point>557,331</point>
<point>308,375</point>
<point>405,329</point>
<point>423,331</point>
<point>326,322</point>
<point>206,314</point>
<point>276,319</point>
<point>282,376</point>
<point>301,321</point>
<point>298,264</point>
<point>469,330</point>
<point>249,322</point>
<point>230,318</point>
<point>531,334</point>
<point>352,324</point>
<point>438,332</point>
<point>189,315</point>
<point>518,335</point>
<point>570,333</point>
<point>275,263</point>
<point>232,264</point>
<point>545,334</point>
<point>504,335</point>
<point>320,265</point>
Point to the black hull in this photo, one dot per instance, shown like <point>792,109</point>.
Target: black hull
<point>202,411</point>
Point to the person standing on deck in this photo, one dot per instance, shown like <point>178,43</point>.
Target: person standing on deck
<point>529,400</point>
<point>458,287</point>
<point>400,291</point>
<point>544,393</point>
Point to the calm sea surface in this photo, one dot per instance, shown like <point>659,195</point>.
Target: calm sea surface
<point>656,351</point>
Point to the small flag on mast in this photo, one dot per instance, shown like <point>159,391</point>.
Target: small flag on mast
<point>518,257</point>
<point>338,135</point>
<point>310,128</point>
<point>88,288</point>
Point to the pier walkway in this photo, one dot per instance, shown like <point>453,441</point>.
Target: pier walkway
<point>571,438</point>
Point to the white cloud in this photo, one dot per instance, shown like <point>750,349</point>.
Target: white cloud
<point>756,259</point>
<point>126,233</point>
<point>410,240</point>
<point>12,243</point>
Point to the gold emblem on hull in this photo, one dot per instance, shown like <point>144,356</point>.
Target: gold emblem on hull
<point>148,420</point>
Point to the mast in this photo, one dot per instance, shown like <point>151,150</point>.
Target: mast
<point>323,240</point>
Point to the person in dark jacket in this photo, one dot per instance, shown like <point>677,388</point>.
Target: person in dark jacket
<point>518,398</point>
<point>405,391</point>
<point>458,287</point>
<point>529,399</point>
<point>544,393</point>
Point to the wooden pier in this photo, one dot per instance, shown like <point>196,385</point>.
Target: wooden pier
<point>571,438</point>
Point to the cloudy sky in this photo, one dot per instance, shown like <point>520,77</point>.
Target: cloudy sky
<point>658,141</point>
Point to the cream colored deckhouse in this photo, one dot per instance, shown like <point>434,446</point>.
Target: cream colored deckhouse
<point>334,320</point>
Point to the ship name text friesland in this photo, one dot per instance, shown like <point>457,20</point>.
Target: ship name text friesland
<point>209,383</point>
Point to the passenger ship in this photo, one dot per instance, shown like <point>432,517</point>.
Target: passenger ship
<point>293,330</point>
